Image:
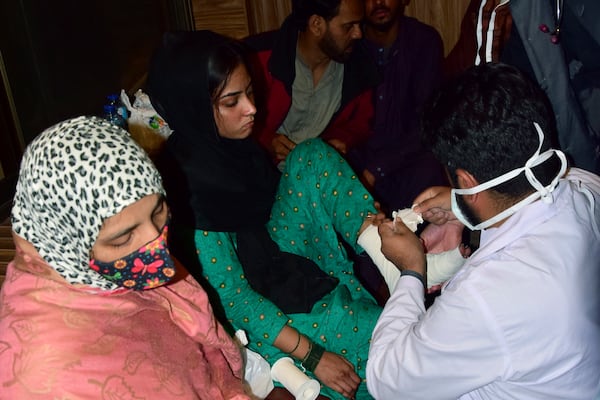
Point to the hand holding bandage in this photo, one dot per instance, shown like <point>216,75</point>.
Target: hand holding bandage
<point>440,266</point>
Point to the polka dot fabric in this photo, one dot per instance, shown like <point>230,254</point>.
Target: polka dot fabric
<point>73,176</point>
<point>318,197</point>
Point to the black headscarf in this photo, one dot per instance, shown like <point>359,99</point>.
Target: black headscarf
<point>223,184</point>
<point>219,184</point>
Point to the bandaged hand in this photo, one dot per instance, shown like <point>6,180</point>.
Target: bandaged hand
<point>440,266</point>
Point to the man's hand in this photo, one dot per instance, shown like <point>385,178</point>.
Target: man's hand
<point>402,247</point>
<point>434,204</point>
<point>282,146</point>
<point>337,373</point>
<point>337,144</point>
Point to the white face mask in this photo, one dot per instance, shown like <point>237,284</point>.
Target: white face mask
<point>543,192</point>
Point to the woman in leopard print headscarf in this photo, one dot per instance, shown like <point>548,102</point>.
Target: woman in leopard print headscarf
<point>90,224</point>
<point>74,176</point>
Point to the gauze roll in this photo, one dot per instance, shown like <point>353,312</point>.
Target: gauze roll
<point>294,380</point>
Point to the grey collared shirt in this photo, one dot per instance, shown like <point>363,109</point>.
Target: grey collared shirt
<point>312,106</point>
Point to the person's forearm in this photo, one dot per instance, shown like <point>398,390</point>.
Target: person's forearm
<point>404,308</point>
<point>370,241</point>
<point>292,342</point>
<point>440,267</point>
<point>451,349</point>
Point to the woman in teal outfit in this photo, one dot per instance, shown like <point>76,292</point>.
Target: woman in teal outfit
<point>268,243</point>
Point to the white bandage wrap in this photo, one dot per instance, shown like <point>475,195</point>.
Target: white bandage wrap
<point>370,240</point>
<point>440,266</point>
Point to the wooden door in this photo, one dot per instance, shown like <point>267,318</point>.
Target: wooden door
<point>227,17</point>
<point>12,145</point>
<point>239,18</point>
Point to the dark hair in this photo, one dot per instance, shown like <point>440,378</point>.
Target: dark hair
<point>302,10</point>
<point>482,122</point>
<point>222,61</point>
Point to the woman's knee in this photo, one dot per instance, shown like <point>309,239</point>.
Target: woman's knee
<point>312,152</point>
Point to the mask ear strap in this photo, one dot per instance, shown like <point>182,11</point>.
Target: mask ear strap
<point>538,159</point>
<point>491,183</point>
<point>543,192</point>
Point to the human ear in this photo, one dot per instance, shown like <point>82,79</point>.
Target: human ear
<point>465,180</point>
<point>316,24</point>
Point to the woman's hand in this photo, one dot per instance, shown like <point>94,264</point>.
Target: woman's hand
<point>439,238</point>
<point>434,205</point>
<point>373,219</point>
<point>337,373</point>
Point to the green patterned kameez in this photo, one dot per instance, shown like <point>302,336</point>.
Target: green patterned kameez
<point>319,200</point>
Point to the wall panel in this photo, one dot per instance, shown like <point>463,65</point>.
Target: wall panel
<point>444,15</point>
<point>239,18</point>
<point>228,17</point>
<point>266,15</point>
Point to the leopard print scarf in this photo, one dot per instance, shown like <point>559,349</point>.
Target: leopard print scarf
<point>73,176</point>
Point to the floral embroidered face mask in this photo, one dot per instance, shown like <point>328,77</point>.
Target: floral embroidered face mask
<point>148,267</point>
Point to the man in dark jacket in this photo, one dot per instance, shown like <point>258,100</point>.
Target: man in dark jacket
<point>555,43</point>
<point>317,78</point>
<point>392,162</point>
<point>409,56</point>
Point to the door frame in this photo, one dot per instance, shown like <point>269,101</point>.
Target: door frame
<point>12,144</point>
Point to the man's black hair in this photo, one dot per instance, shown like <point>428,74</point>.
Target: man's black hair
<point>482,122</point>
<point>302,10</point>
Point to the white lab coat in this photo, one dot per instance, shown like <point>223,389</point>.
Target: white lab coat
<point>520,320</point>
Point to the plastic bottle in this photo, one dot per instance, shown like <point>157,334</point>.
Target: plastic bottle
<point>111,114</point>
<point>115,100</point>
